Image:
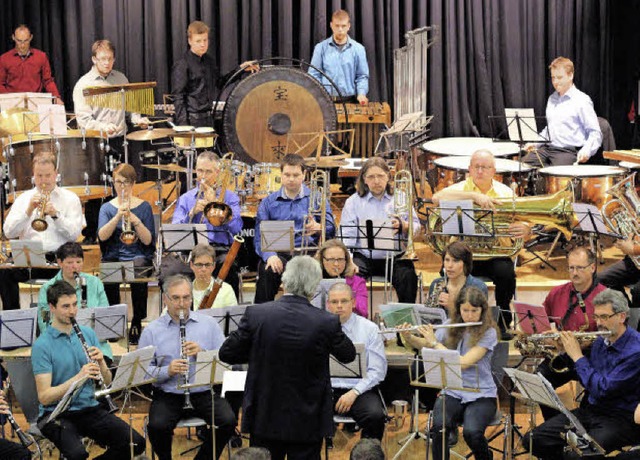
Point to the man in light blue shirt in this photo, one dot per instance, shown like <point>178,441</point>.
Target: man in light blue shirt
<point>572,123</point>
<point>358,397</point>
<point>167,408</point>
<point>343,60</point>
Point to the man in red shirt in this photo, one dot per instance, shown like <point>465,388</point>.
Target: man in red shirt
<point>570,307</point>
<point>26,69</point>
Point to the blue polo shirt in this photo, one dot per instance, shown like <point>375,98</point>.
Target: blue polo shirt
<point>62,356</point>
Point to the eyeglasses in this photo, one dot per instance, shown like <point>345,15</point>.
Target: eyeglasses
<point>180,299</point>
<point>578,268</point>
<point>604,317</point>
<point>335,261</point>
<point>122,183</point>
<point>207,265</point>
<point>479,167</point>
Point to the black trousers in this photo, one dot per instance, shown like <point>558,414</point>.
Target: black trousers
<point>404,280</point>
<point>292,450</point>
<point>13,451</point>
<point>10,289</point>
<point>549,155</point>
<point>621,274</point>
<point>67,431</point>
<point>611,429</point>
<point>166,411</point>
<point>474,417</point>
<point>269,281</point>
<point>367,411</point>
<point>501,271</point>
<point>556,379</point>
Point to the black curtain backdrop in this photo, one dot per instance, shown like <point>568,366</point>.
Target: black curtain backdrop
<point>491,54</point>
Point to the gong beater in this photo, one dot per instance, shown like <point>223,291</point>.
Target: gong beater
<point>267,106</point>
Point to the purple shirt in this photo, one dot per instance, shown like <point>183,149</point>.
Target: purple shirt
<point>221,235</point>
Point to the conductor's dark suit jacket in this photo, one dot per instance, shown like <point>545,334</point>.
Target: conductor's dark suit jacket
<point>288,390</point>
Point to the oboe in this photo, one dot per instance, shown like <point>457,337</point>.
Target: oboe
<point>183,355</point>
<point>85,347</point>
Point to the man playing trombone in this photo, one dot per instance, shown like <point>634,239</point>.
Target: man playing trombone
<point>58,216</point>
<point>374,199</point>
<point>291,202</point>
<point>59,359</point>
<point>169,367</point>
<point>191,206</point>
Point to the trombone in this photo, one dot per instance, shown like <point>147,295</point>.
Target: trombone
<point>318,198</point>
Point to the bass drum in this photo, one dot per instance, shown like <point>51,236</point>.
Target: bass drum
<point>267,106</point>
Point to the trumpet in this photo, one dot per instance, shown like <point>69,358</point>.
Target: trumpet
<point>85,347</point>
<point>39,224</point>
<point>403,205</point>
<point>128,235</point>
<point>394,330</point>
<point>183,355</point>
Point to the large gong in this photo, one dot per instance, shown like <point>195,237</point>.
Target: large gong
<point>267,106</point>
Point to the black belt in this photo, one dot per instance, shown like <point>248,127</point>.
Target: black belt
<point>199,115</point>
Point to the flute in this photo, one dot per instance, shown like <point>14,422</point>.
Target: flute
<point>394,330</point>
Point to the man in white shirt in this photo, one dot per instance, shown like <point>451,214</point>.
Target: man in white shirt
<point>59,208</point>
<point>359,398</point>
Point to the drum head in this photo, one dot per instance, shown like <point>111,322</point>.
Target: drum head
<point>582,171</point>
<point>265,107</point>
<point>462,163</point>
<point>465,146</point>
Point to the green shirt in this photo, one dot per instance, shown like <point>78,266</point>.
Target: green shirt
<point>96,297</point>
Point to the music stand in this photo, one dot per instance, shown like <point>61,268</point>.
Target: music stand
<point>18,328</point>
<point>591,222</point>
<point>532,319</point>
<point>320,297</point>
<point>442,370</point>
<point>277,236</point>
<point>64,403</point>
<point>182,237</point>
<point>131,372</point>
<point>228,317</point>
<point>28,254</point>
<point>109,323</point>
<point>29,101</point>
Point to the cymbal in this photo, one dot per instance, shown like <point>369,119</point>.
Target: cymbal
<point>149,134</point>
<point>169,167</point>
<point>12,122</point>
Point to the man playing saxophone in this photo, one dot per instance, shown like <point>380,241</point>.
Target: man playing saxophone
<point>60,210</point>
<point>191,206</point>
<point>610,377</point>
<point>483,189</point>
<point>570,307</point>
<point>58,358</point>
<point>167,408</point>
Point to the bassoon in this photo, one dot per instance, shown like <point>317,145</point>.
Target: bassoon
<point>207,300</point>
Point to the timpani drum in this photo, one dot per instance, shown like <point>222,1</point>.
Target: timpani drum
<point>454,169</point>
<point>81,158</point>
<point>465,146</point>
<point>590,181</point>
<point>267,178</point>
<point>632,168</point>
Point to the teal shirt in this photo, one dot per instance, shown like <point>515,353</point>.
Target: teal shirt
<point>96,297</point>
<point>62,356</point>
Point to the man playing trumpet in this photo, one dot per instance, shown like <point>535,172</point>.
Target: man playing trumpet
<point>191,206</point>
<point>58,208</point>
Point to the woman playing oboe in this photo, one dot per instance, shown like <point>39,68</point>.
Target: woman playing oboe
<point>474,410</point>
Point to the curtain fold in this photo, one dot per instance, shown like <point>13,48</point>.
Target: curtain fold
<point>491,54</point>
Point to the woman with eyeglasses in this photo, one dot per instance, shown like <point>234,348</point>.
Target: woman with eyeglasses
<point>138,215</point>
<point>336,263</point>
<point>474,410</point>
<point>203,263</point>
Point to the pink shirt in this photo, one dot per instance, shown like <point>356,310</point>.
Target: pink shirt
<point>359,287</point>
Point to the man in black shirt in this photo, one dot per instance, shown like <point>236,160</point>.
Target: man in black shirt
<point>196,80</point>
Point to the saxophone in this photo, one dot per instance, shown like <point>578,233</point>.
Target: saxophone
<point>439,288</point>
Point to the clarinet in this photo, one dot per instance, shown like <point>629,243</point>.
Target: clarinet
<point>25,439</point>
<point>183,355</point>
<point>81,283</point>
<point>85,347</point>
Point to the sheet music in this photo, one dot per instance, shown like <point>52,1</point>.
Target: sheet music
<point>52,119</point>
<point>531,387</point>
<point>28,101</point>
<point>319,299</point>
<point>427,315</point>
<point>18,328</point>
<point>276,235</point>
<point>384,234</point>
<point>236,312</point>
<point>201,377</point>
<point>142,357</point>
<point>183,237</point>
<point>233,381</point>
<point>395,315</point>
<point>528,125</point>
<point>28,253</point>
<point>67,399</point>
<point>532,319</point>
<point>116,272</point>
<point>452,212</point>
<point>111,322</point>
<point>355,369</point>
<point>582,211</point>
<point>439,362</point>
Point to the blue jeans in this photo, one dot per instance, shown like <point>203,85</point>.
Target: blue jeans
<point>474,417</point>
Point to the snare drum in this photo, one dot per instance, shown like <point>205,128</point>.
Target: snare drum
<point>590,181</point>
<point>198,142</point>
<point>454,169</point>
<point>81,159</point>
<point>267,178</point>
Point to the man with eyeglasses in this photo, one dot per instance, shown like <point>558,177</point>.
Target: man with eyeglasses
<point>167,407</point>
<point>359,398</point>
<point>484,190</point>
<point>610,376</point>
<point>570,307</point>
<point>203,262</point>
<point>25,69</point>
<point>291,202</point>
<point>192,203</point>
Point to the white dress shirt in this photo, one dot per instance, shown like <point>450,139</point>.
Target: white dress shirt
<point>65,228</point>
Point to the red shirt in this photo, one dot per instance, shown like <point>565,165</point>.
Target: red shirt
<point>31,74</point>
<point>557,303</point>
